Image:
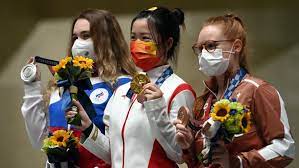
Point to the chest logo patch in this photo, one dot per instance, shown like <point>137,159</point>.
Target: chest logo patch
<point>99,96</point>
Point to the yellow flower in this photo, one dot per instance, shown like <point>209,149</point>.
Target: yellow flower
<point>63,62</point>
<point>245,122</point>
<point>82,62</point>
<point>220,111</point>
<point>56,68</point>
<point>60,138</point>
<point>89,63</point>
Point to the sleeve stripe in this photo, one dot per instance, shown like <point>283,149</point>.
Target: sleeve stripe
<point>252,82</point>
<point>241,161</point>
<point>282,147</point>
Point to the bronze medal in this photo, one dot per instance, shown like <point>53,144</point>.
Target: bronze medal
<point>183,115</point>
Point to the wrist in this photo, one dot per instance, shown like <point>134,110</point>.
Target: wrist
<point>88,130</point>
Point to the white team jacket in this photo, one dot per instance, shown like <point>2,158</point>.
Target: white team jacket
<point>36,116</point>
<point>135,133</point>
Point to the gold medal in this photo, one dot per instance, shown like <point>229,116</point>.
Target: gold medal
<point>138,81</point>
<point>183,115</point>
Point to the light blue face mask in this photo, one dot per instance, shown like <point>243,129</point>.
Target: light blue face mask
<point>84,48</point>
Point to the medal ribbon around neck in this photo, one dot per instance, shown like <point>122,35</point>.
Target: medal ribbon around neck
<point>167,73</point>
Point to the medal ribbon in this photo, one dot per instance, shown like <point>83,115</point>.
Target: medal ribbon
<point>234,82</point>
<point>167,73</point>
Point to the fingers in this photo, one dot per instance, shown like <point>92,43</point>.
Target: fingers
<point>38,73</point>
<point>182,142</point>
<point>184,132</point>
<point>81,110</point>
<point>176,121</point>
<point>77,103</point>
<point>182,128</point>
<point>151,91</point>
<point>51,69</point>
<point>31,59</point>
<point>70,114</point>
<point>151,86</point>
<point>85,120</point>
<point>147,91</point>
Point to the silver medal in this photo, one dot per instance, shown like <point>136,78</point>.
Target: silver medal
<point>28,72</point>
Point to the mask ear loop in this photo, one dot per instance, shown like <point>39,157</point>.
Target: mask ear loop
<point>230,52</point>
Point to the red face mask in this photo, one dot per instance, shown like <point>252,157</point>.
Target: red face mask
<point>144,54</point>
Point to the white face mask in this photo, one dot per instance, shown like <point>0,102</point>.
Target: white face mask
<point>83,48</point>
<point>213,64</point>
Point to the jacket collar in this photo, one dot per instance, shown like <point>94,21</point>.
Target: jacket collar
<point>211,86</point>
<point>155,73</point>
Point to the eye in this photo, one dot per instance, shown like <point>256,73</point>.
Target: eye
<point>210,46</point>
<point>197,48</point>
<point>74,37</point>
<point>86,35</point>
<point>133,37</point>
<point>146,38</point>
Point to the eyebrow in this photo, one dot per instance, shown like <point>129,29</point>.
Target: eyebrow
<point>143,33</point>
<point>82,32</point>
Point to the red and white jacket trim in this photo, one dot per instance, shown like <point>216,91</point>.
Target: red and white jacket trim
<point>142,135</point>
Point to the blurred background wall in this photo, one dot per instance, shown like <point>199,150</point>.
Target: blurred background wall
<point>33,27</point>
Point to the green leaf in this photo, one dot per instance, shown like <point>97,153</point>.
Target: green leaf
<point>74,71</point>
<point>57,77</point>
<point>84,75</point>
<point>76,120</point>
<point>63,73</point>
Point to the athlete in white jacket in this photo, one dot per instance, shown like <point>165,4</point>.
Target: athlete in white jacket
<point>90,33</point>
<point>141,134</point>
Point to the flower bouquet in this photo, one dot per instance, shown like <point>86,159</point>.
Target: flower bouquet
<point>62,149</point>
<point>73,74</point>
<point>234,117</point>
<point>228,118</point>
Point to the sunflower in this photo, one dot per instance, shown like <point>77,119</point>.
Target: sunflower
<point>56,68</point>
<point>245,122</point>
<point>82,62</point>
<point>220,111</point>
<point>64,61</point>
<point>60,138</point>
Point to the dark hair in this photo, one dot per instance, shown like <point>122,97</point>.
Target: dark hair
<point>112,52</point>
<point>163,24</point>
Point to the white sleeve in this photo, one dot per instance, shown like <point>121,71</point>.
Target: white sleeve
<point>162,122</point>
<point>98,143</point>
<point>34,115</point>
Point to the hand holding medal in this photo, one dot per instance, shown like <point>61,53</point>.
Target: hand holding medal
<point>184,136</point>
<point>183,115</point>
<point>138,81</point>
<point>30,72</point>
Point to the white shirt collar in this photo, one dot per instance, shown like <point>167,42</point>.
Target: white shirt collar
<point>155,73</point>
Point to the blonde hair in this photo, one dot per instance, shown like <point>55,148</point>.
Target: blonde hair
<point>112,52</point>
